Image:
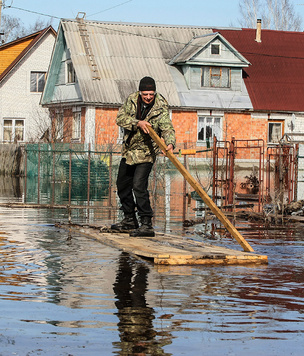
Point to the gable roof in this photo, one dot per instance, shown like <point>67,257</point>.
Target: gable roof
<point>11,53</point>
<point>191,51</point>
<point>275,80</point>
<point>124,53</point>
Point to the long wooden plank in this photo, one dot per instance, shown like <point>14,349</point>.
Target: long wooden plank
<point>168,250</point>
<point>213,207</point>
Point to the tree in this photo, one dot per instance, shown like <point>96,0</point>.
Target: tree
<point>275,14</point>
<point>13,28</point>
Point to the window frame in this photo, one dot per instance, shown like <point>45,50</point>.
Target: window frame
<point>14,129</point>
<point>204,77</point>
<point>37,74</point>
<point>71,77</point>
<point>76,125</point>
<point>214,74</point>
<point>216,128</point>
<point>120,135</point>
<point>59,126</point>
<point>274,122</point>
<point>213,45</point>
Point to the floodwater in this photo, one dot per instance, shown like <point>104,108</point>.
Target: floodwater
<point>65,294</point>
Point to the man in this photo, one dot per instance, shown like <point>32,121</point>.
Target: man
<point>142,109</point>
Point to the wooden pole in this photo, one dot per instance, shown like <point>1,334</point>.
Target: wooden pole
<point>213,207</point>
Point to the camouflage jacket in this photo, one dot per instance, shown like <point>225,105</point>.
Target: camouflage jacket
<point>138,147</point>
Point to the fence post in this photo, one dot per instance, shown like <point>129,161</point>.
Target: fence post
<point>89,172</point>
<point>70,173</point>
<point>25,172</point>
<point>53,192</point>
<point>39,158</point>
<point>185,184</point>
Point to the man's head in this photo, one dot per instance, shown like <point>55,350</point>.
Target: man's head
<point>147,89</point>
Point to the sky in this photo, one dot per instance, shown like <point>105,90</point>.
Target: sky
<point>217,13</point>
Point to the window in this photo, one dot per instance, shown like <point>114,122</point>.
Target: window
<point>71,74</point>
<point>59,126</point>
<point>215,49</point>
<point>76,129</point>
<point>275,131</point>
<point>37,82</point>
<point>120,134</point>
<point>13,130</point>
<point>209,126</point>
<point>214,77</point>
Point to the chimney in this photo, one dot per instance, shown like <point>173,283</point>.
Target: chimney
<point>258,36</point>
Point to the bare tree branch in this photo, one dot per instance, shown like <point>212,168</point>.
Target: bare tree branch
<point>275,14</point>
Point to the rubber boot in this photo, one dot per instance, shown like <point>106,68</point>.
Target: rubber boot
<point>128,223</point>
<point>145,230</point>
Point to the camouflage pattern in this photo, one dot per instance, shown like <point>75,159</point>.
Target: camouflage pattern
<point>141,148</point>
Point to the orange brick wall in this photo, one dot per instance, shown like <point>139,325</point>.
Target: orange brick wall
<point>106,130</point>
<point>238,125</point>
<point>185,125</point>
<point>244,127</point>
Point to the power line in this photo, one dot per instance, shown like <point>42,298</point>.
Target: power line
<point>56,17</point>
<point>110,8</point>
<point>31,11</point>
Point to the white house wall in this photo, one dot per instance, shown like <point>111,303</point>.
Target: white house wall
<point>16,99</point>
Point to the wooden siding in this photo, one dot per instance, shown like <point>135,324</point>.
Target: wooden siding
<point>10,53</point>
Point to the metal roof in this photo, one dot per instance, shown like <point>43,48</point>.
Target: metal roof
<point>124,53</point>
<point>275,80</point>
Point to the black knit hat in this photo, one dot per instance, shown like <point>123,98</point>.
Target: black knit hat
<point>147,84</point>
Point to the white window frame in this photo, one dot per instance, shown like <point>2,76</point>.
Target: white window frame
<point>204,124</point>
<point>120,135</point>
<point>13,128</point>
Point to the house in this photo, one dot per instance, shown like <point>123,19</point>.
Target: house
<point>212,78</point>
<point>274,80</point>
<point>23,67</point>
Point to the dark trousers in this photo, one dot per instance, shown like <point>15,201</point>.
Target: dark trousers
<point>133,179</point>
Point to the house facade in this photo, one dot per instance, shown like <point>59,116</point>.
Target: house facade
<point>23,67</point>
<point>213,79</point>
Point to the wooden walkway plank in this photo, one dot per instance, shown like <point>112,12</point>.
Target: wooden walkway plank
<point>169,249</point>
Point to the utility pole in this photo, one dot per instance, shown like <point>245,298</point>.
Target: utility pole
<point>1,33</point>
<point>0,11</point>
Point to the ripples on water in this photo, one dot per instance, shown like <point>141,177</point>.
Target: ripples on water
<point>64,294</point>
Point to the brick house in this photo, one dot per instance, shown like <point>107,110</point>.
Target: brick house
<point>217,82</point>
<point>23,67</point>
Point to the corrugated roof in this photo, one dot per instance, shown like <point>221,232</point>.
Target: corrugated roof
<point>124,53</point>
<point>191,49</point>
<point>275,80</point>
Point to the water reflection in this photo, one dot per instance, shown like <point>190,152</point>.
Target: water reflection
<point>137,335</point>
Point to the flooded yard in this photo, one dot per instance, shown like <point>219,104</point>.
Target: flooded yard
<point>65,294</point>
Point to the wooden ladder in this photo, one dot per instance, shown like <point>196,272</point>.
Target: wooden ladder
<point>84,35</point>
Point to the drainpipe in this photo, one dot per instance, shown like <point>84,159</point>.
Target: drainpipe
<point>258,36</point>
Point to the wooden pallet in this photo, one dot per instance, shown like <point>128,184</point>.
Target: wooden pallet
<point>164,249</point>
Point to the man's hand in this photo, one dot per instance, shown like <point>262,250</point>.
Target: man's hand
<point>169,148</point>
<point>143,125</point>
